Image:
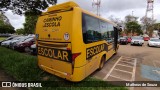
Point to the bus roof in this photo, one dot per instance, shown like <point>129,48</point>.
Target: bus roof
<point>69,5</point>
<point>63,6</point>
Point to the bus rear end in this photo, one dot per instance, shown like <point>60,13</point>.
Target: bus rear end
<point>54,46</point>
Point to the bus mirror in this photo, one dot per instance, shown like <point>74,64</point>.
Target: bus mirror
<point>120,29</point>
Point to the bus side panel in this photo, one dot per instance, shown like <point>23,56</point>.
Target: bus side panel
<point>94,62</point>
<point>78,46</point>
<point>110,51</point>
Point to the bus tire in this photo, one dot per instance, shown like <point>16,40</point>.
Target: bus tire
<point>101,65</point>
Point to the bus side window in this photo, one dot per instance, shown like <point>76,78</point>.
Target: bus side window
<point>84,29</point>
<point>107,31</point>
<point>96,30</point>
<point>91,30</point>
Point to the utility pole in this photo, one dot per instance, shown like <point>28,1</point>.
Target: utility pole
<point>149,10</point>
<point>132,13</point>
<point>97,4</point>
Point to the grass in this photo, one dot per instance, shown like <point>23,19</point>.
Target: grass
<point>2,38</point>
<point>23,67</point>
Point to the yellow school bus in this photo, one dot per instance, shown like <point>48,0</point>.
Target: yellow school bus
<point>72,43</point>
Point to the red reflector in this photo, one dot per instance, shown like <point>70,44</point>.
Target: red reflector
<point>68,49</point>
<point>75,55</point>
<point>68,74</point>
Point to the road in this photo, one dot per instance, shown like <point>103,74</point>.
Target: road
<point>147,66</point>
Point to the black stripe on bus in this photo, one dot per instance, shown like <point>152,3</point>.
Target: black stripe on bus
<point>92,51</point>
<point>52,45</point>
<point>55,54</point>
<point>52,41</point>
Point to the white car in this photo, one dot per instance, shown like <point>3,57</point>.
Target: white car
<point>7,43</point>
<point>137,40</point>
<point>33,49</point>
<point>9,38</point>
<point>154,42</point>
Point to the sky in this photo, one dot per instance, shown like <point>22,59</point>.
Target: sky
<point>116,8</point>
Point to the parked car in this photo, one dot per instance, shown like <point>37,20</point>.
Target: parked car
<point>25,45</point>
<point>5,35</point>
<point>154,42</point>
<point>123,40</point>
<point>7,43</point>
<point>146,38</point>
<point>9,38</point>
<point>137,40</point>
<point>14,42</point>
<point>33,49</point>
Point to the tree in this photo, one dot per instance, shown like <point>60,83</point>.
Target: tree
<point>156,26</point>
<point>30,8</point>
<point>133,27</point>
<point>6,28</point>
<point>22,6</point>
<point>116,20</point>
<point>20,31</point>
<point>130,18</point>
<point>30,22</point>
<point>148,24</point>
<point>119,22</point>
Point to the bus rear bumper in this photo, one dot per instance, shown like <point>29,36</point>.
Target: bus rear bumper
<point>76,77</point>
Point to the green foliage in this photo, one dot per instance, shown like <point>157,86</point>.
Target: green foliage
<point>148,24</point>
<point>156,26</point>
<point>31,9</point>
<point>150,29</point>
<point>130,18</point>
<point>133,27</point>
<point>6,28</point>
<point>30,22</point>
<point>20,6</point>
<point>20,31</point>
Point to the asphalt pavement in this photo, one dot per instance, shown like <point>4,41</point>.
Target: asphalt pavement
<point>133,63</point>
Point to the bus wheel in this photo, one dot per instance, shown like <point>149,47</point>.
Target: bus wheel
<point>102,63</point>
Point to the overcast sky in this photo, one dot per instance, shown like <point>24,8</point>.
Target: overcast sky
<point>116,8</point>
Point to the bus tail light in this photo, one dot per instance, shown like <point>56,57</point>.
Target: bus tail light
<point>74,55</point>
<point>68,48</point>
